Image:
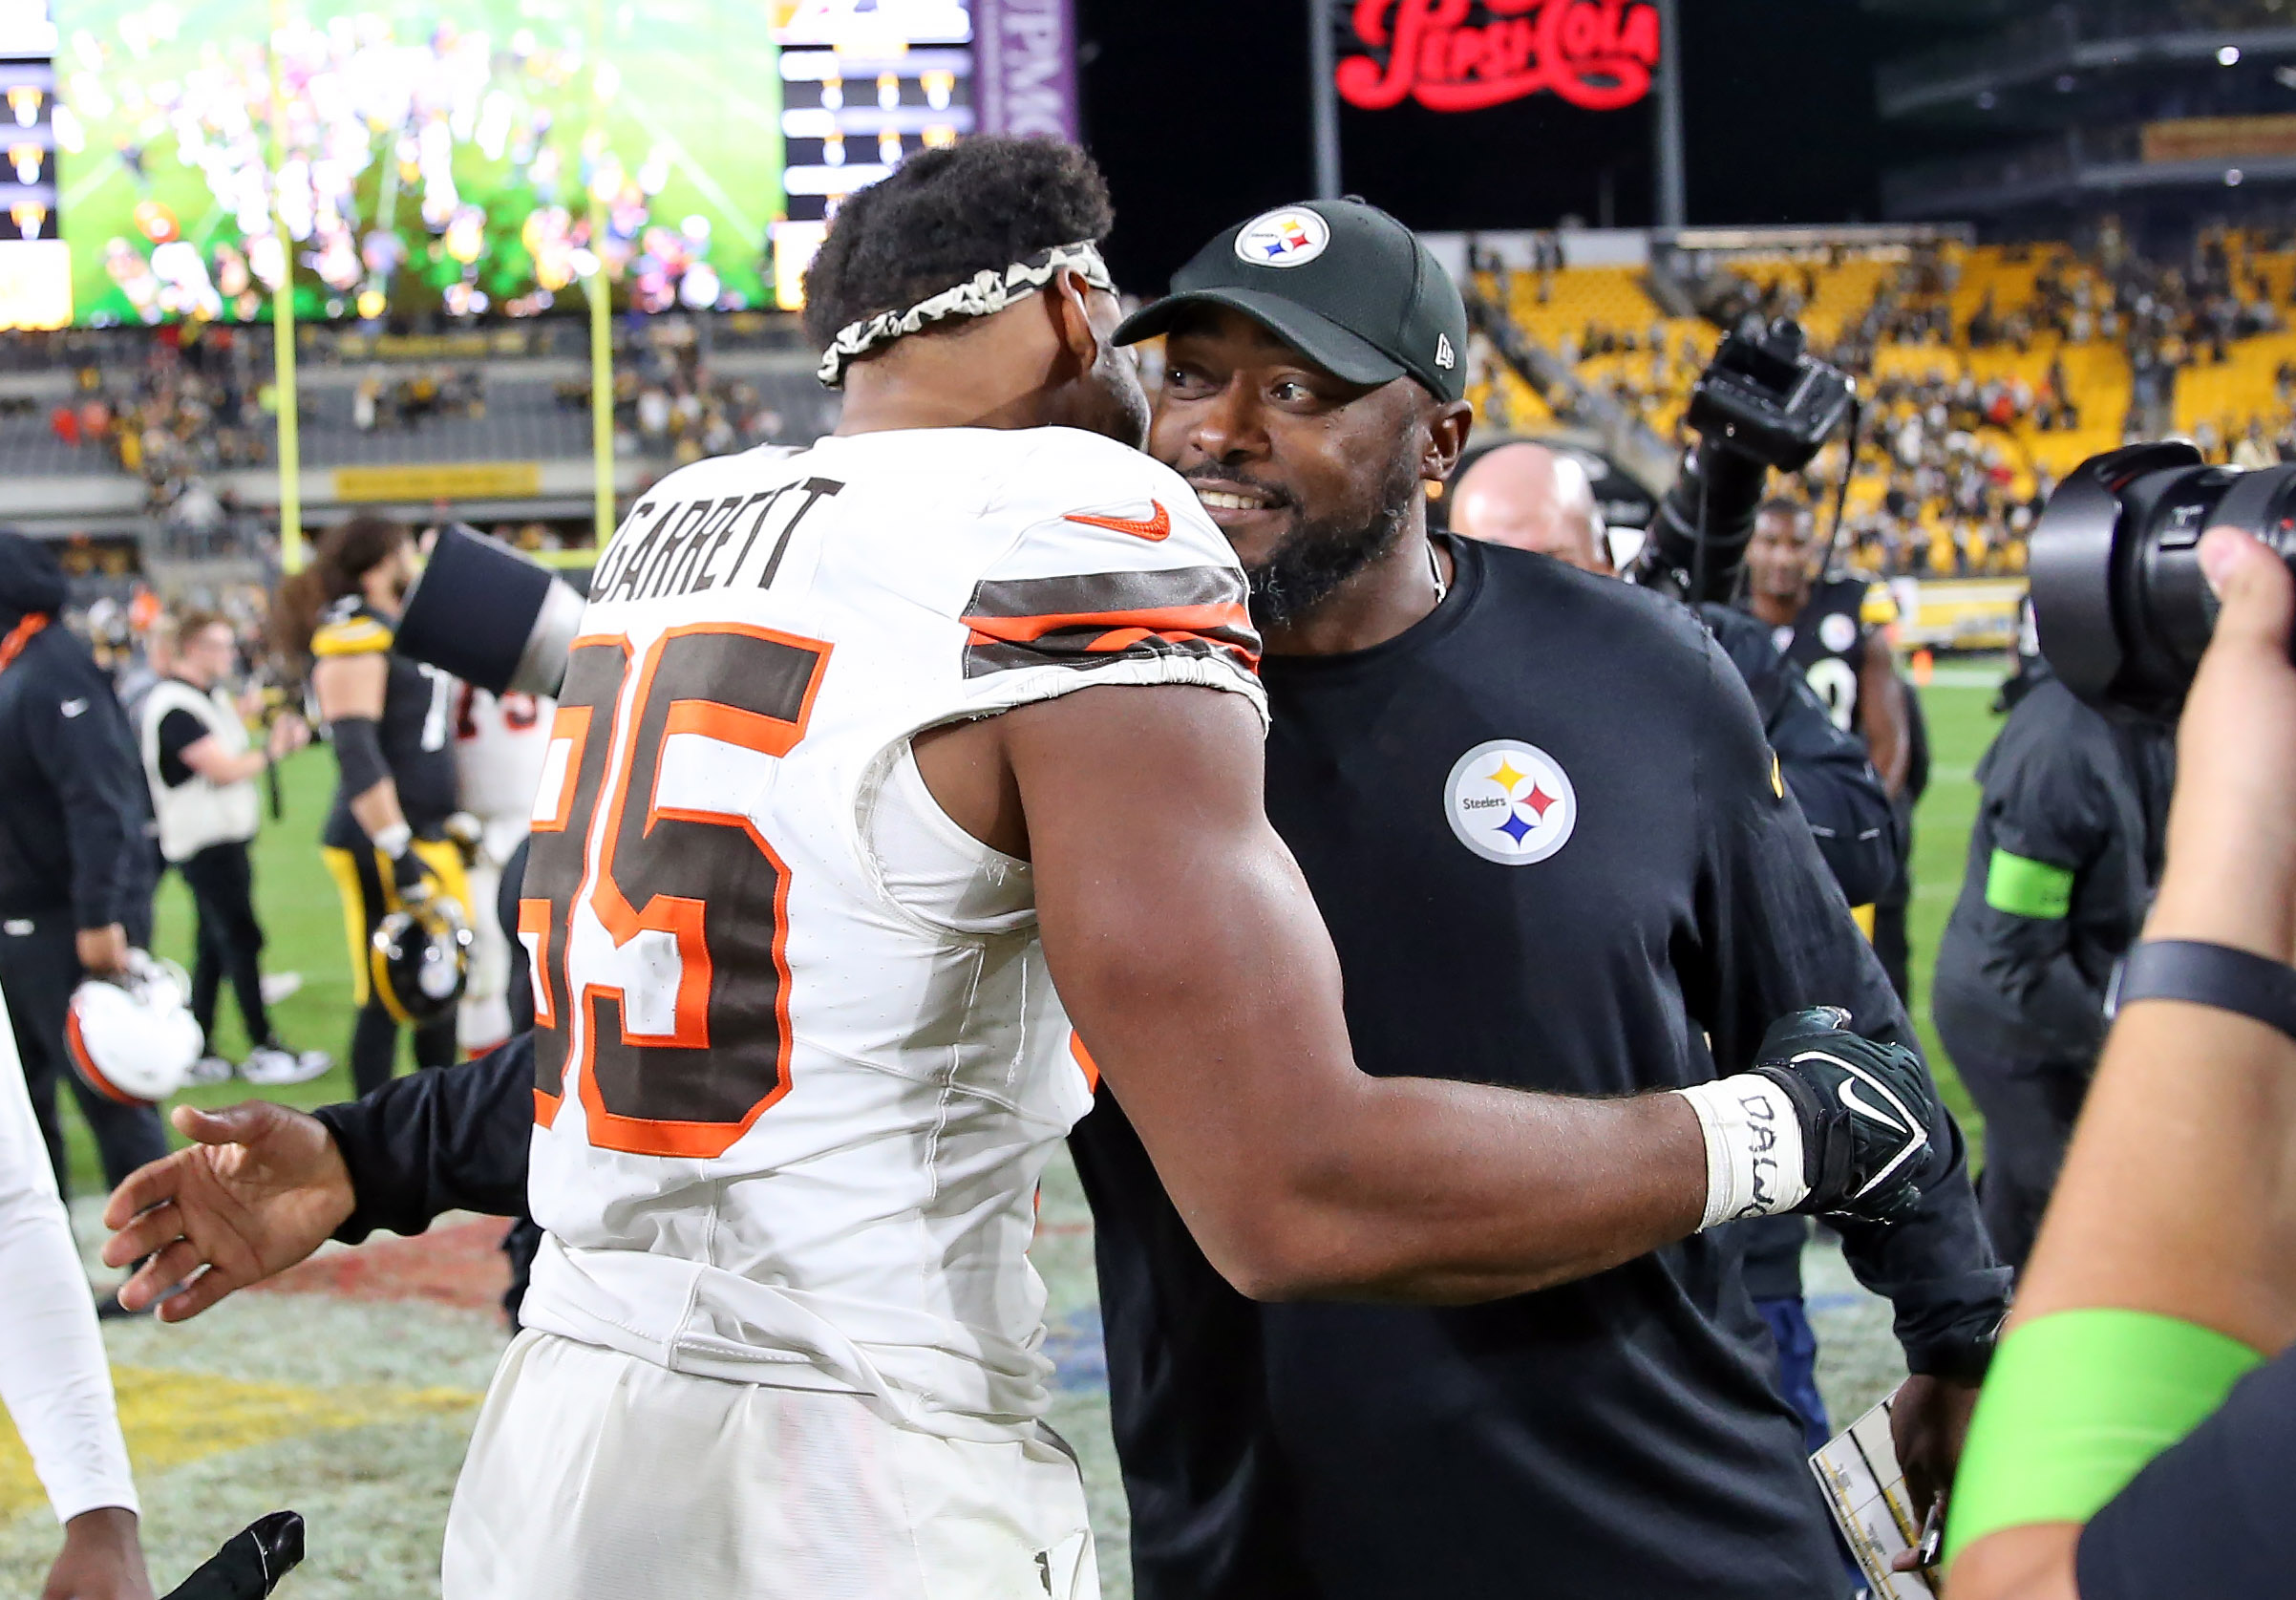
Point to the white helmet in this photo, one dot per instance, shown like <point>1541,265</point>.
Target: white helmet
<point>132,1037</point>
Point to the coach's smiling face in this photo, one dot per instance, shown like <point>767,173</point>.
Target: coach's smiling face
<point>1310,476</point>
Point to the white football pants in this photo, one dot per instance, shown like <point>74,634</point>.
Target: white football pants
<point>593,1474</point>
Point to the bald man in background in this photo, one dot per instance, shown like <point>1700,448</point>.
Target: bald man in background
<point>1540,500</point>
<point>1534,499</point>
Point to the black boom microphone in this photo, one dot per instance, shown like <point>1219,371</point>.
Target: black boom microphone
<point>485,613</point>
<point>250,1564</point>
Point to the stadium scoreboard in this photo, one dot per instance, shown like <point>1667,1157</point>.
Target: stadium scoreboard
<point>35,263</point>
<point>861,88</point>
<point>467,157</point>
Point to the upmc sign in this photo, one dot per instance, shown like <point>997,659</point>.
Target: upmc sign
<point>1024,67</point>
<point>1464,55</point>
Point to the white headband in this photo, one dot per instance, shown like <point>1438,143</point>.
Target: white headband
<point>985,293</point>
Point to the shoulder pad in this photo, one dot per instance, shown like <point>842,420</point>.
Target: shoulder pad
<point>348,629</point>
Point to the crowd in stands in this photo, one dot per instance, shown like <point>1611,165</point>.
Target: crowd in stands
<point>1986,373</point>
<point>668,401</point>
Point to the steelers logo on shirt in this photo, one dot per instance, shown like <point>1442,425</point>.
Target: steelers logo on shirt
<point>1292,237</point>
<point>1511,802</point>
<point>1836,631</point>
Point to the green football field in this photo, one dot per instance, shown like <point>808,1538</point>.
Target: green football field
<point>693,113</point>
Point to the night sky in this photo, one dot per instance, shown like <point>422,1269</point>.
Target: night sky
<point>1197,112</point>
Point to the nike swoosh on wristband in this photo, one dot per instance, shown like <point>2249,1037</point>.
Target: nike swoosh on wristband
<point>1155,530</point>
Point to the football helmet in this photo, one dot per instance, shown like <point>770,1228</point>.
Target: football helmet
<point>131,1038</point>
<point>420,961</point>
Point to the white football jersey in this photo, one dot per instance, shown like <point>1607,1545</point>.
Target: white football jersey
<point>799,1060</point>
<point>499,743</point>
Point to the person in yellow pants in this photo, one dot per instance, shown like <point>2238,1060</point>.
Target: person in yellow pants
<point>389,719</point>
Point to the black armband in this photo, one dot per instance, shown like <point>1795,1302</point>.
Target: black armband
<point>2208,974</point>
<point>358,753</point>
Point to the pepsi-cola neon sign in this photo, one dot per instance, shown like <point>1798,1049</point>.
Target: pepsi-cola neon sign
<point>1464,55</point>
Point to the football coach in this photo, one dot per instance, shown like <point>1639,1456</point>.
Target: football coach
<point>1539,816</point>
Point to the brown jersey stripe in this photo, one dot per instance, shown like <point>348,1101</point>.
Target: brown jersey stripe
<point>1081,594</point>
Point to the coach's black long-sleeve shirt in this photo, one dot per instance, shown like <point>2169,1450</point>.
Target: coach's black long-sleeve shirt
<point>1548,839</point>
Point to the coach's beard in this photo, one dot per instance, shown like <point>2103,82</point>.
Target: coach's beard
<point>1320,555</point>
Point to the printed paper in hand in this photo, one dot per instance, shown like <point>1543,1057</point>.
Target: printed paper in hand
<point>1862,1483</point>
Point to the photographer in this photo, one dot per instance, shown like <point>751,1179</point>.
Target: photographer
<point>2163,1274</point>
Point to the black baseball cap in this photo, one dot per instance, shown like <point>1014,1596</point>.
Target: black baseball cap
<point>1340,281</point>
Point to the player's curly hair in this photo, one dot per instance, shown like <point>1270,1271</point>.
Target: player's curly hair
<point>944,215</point>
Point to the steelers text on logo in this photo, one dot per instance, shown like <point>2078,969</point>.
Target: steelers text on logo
<point>1510,803</point>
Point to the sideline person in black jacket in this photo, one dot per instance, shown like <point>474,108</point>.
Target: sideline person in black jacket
<point>2062,864</point>
<point>72,847</point>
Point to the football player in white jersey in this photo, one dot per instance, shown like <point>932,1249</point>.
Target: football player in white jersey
<point>501,741</point>
<point>860,750</point>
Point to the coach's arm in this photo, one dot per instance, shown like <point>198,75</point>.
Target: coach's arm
<point>262,1186</point>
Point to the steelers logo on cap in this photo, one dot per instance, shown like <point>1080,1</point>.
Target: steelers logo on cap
<point>1510,803</point>
<point>1292,237</point>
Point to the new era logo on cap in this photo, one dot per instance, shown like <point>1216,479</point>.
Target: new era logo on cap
<point>1443,357</point>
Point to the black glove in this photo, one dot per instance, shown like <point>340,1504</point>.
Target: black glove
<point>1865,1109</point>
<point>411,875</point>
<point>250,1564</point>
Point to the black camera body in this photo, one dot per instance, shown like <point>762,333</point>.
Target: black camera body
<point>2120,603</point>
<point>489,615</point>
<point>1763,403</point>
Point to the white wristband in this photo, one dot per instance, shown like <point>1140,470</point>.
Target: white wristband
<point>393,840</point>
<point>1753,1151</point>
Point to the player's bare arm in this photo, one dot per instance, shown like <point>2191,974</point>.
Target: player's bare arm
<point>1191,958</point>
<point>352,687</point>
<point>1881,716</point>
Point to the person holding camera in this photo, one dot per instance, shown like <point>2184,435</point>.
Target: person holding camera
<point>2062,861</point>
<point>200,769</point>
<point>2137,1436</point>
<point>390,720</point>
<point>74,886</point>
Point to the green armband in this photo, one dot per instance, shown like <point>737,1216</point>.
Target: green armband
<point>2077,1403</point>
<point>2024,887</point>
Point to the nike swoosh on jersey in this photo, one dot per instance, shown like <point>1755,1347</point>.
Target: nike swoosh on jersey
<point>1155,530</point>
<point>73,708</point>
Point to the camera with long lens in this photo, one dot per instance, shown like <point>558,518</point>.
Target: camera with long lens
<point>2120,603</point>
<point>1764,402</point>
<point>489,615</point>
